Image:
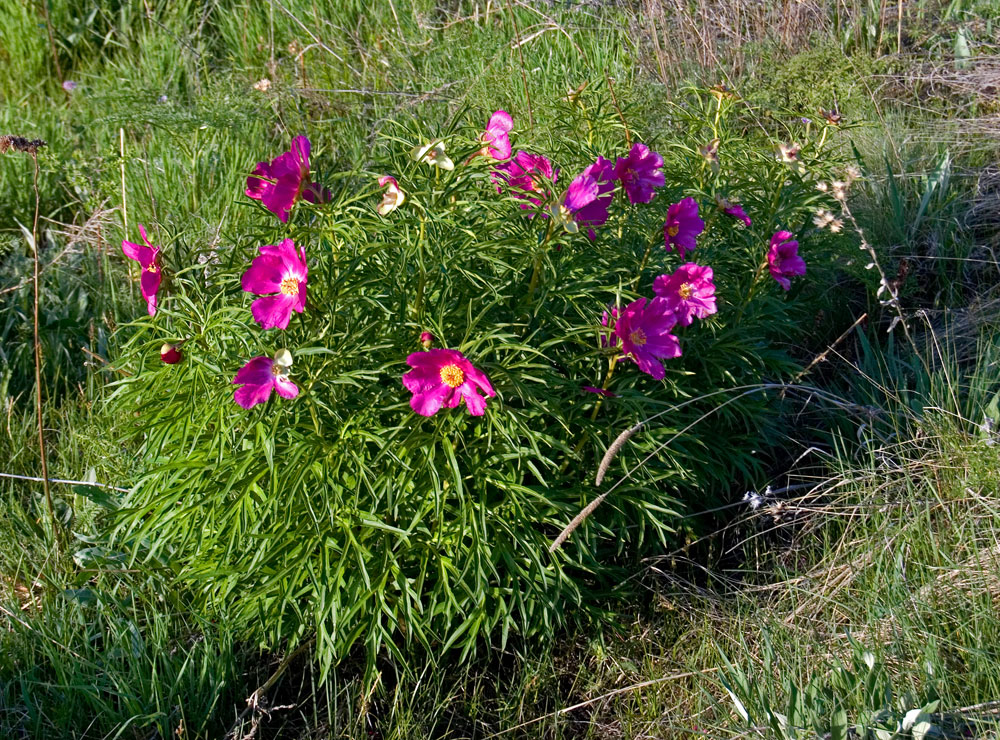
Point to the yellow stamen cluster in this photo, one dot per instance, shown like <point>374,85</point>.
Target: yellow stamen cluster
<point>290,286</point>
<point>452,375</point>
<point>684,291</point>
<point>673,230</point>
<point>637,337</point>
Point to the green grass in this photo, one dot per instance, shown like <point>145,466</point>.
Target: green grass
<point>890,551</point>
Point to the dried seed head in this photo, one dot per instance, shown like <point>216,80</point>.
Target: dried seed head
<point>20,144</point>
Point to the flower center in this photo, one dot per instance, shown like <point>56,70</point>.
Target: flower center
<point>684,291</point>
<point>673,230</point>
<point>279,371</point>
<point>452,376</point>
<point>152,267</point>
<point>637,337</point>
<point>290,286</point>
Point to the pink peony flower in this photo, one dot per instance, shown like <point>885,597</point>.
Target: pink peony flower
<point>643,327</point>
<point>280,270</point>
<point>682,226</point>
<point>393,197</point>
<point>262,375</point>
<point>280,184</point>
<point>148,258</point>
<point>496,139</point>
<point>595,213</point>
<point>689,292</point>
<point>733,209</point>
<point>582,192</point>
<point>640,173</point>
<point>783,259</point>
<point>530,173</point>
<point>443,377</point>
<point>171,353</point>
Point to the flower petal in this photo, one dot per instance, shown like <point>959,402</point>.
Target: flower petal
<point>273,311</point>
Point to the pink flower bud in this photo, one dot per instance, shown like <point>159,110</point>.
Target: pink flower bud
<point>171,353</point>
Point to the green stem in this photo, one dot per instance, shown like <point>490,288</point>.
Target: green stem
<point>645,261</point>
<point>593,415</point>
<point>418,306</point>
<point>536,272</point>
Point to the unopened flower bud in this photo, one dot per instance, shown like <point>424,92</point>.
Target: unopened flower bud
<point>426,339</point>
<point>171,353</point>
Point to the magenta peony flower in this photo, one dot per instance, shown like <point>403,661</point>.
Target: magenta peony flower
<point>643,327</point>
<point>682,226</point>
<point>733,209</point>
<point>262,375</point>
<point>595,213</point>
<point>280,184</point>
<point>783,259</point>
<point>581,193</point>
<point>148,258</point>
<point>443,377</point>
<point>280,270</point>
<point>496,139</point>
<point>689,292</point>
<point>530,173</point>
<point>640,173</point>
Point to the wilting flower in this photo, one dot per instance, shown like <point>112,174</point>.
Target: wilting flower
<point>171,353</point>
<point>433,154</point>
<point>689,292</point>
<point>643,328</point>
<point>393,197</point>
<point>682,226</point>
<point>599,391</point>
<point>580,194</point>
<point>822,218</point>
<point>711,154</point>
<point>426,339</point>
<point>148,258</point>
<point>640,173</point>
<point>529,173</point>
<point>444,377</point>
<point>789,154</point>
<point>280,184</point>
<point>69,86</point>
<point>262,85</point>
<point>262,375</point>
<point>733,209</point>
<point>595,213</point>
<point>280,270</point>
<point>608,320</point>
<point>783,259</point>
<point>721,90</point>
<point>832,117</point>
<point>496,139</point>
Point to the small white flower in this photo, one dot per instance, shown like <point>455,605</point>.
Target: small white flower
<point>262,85</point>
<point>753,499</point>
